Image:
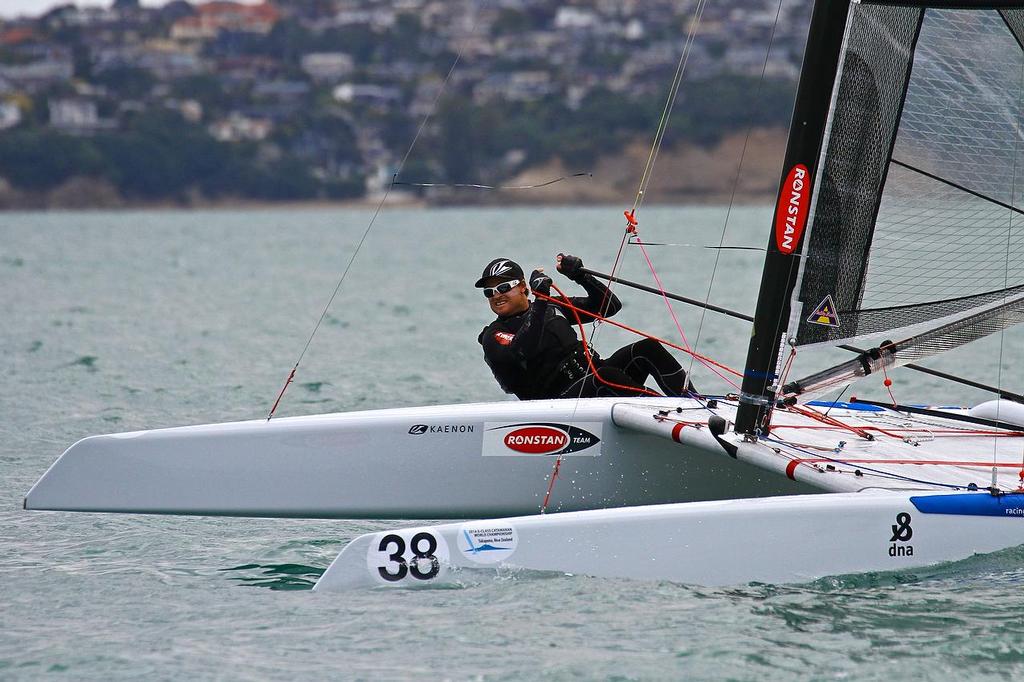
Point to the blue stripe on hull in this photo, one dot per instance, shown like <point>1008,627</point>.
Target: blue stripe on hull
<point>859,407</point>
<point>971,504</point>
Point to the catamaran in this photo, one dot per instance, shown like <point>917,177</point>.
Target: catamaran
<point>896,228</point>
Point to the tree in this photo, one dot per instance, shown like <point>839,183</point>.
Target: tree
<point>41,160</point>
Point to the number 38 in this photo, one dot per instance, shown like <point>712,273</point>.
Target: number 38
<point>423,546</point>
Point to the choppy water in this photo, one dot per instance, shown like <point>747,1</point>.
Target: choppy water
<point>116,322</point>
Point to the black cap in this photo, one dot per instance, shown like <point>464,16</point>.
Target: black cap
<point>502,268</point>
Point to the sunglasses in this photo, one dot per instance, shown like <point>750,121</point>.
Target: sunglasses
<point>503,288</point>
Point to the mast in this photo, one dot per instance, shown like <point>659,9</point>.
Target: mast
<point>782,260</point>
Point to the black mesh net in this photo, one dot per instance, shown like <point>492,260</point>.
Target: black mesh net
<point>961,331</point>
<point>915,219</point>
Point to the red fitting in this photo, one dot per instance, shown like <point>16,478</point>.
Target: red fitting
<point>630,221</point>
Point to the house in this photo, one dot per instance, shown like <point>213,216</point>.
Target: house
<point>18,35</point>
<point>283,90</point>
<point>77,116</point>
<point>191,110</point>
<point>328,67</point>
<point>238,127</point>
<point>41,65</point>
<point>382,95</point>
<point>379,19</point>
<point>517,86</point>
<point>10,115</point>
<point>165,61</point>
<point>243,69</point>
<point>222,15</point>
<point>574,18</point>
<point>423,100</point>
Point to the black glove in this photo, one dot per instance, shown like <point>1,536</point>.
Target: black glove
<point>540,282</point>
<point>570,266</point>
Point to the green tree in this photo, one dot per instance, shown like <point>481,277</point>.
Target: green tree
<point>41,160</point>
<point>127,81</point>
<point>459,154</point>
<point>510,22</point>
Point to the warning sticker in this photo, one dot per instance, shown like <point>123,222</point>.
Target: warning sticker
<point>825,313</point>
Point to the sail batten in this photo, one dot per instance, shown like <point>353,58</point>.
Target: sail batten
<point>956,186</point>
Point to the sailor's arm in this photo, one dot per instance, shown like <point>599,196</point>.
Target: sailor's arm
<point>599,298</point>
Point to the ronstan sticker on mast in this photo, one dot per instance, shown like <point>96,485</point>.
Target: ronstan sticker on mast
<point>792,211</point>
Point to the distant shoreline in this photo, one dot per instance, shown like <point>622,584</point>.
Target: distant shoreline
<point>687,175</point>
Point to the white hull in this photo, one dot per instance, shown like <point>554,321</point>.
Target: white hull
<point>370,465</point>
<point>773,540</point>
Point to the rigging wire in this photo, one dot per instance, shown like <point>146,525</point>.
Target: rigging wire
<point>837,398</point>
<point>736,180</point>
<point>642,188</point>
<point>593,370</point>
<point>369,226</point>
<point>701,246</point>
<point>670,103</point>
<point>589,355</point>
<point>675,319</point>
<point>546,183</point>
<point>638,332</point>
<point>659,136</point>
<point>877,472</point>
<point>1006,277</point>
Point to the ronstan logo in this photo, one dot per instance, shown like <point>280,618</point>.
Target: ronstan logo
<point>791,214</point>
<point>536,440</point>
<point>541,438</point>
<point>504,338</point>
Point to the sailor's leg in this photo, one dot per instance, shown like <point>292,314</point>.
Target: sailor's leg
<point>591,386</point>
<point>648,358</point>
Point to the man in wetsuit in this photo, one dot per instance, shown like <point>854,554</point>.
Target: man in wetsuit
<point>533,350</point>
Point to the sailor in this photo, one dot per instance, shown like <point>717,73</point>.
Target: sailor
<point>533,351</point>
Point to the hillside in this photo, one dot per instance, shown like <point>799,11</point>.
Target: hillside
<point>687,174</point>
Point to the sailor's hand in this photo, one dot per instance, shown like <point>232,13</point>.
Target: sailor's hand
<point>570,266</point>
<point>540,283</point>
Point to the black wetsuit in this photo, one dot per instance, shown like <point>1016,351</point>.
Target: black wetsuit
<point>536,353</point>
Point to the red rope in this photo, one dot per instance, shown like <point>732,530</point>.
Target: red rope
<point>551,484</point>
<point>566,304</point>
<point>615,266</point>
<point>888,386</point>
<point>586,348</point>
<point>919,462</point>
<point>788,366</point>
<point>829,420</point>
<point>650,264</point>
<point>949,432</point>
<point>283,389</point>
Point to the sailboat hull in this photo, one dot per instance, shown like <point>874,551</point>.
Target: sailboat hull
<point>449,461</point>
<point>727,542</point>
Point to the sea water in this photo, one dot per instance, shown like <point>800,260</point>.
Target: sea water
<point>136,320</point>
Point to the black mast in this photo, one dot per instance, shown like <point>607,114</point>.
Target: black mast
<point>810,114</point>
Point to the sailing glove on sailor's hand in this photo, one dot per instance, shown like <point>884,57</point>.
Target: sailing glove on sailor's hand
<point>540,282</point>
<point>570,266</point>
